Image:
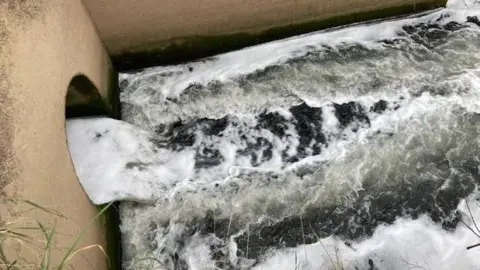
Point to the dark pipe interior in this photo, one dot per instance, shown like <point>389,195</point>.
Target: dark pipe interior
<point>84,100</point>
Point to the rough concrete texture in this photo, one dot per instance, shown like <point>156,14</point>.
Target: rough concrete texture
<point>127,26</point>
<point>43,45</point>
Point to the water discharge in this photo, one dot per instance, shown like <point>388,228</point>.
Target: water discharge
<point>356,147</point>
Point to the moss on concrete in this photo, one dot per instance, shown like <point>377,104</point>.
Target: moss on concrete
<point>195,47</point>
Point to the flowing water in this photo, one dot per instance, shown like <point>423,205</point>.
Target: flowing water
<point>357,147</point>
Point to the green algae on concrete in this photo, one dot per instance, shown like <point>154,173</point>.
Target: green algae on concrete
<point>195,47</point>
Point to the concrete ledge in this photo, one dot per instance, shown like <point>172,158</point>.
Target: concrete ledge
<point>188,48</point>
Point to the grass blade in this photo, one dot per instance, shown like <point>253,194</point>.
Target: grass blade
<point>80,236</point>
<point>12,265</point>
<point>323,246</point>
<point>87,248</point>
<point>45,262</point>
<point>50,211</point>
<point>13,234</point>
<point>3,257</point>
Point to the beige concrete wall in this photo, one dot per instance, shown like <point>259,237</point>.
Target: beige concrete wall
<point>127,25</point>
<point>43,44</point>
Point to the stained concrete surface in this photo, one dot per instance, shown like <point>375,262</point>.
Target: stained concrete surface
<point>43,45</point>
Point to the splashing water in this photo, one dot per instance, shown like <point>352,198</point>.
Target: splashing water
<point>356,148</point>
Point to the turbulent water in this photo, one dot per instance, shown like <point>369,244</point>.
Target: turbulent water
<point>356,148</point>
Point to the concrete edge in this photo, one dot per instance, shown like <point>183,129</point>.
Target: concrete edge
<point>195,47</point>
<point>93,103</point>
<point>108,106</point>
<point>112,218</point>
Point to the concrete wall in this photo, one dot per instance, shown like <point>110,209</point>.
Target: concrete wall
<point>43,45</point>
<point>133,26</point>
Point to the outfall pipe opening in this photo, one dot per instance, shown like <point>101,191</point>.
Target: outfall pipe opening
<point>84,100</point>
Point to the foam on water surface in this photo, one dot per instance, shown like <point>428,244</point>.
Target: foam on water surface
<point>118,161</point>
<point>147,166</point>
<point>369,183</point>
<point>406,244</point>
<point>463,4</point>
<point>310,68</point>
<point>366,137</point>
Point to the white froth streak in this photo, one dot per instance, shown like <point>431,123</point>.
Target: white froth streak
<point>394,121</point>
<point>102,148</point>
<point>234,64</point>
<point>463,4</point>
<point>406,244</point>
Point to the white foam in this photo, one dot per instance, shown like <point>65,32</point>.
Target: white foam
<point>463,4</point>
<point>147,98</point>
<point>230,65</point>
<point>234,64</point>
<point>407,244</point>
<point>102,149</point>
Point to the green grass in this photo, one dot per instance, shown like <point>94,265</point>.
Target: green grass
<point>12,231</point>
